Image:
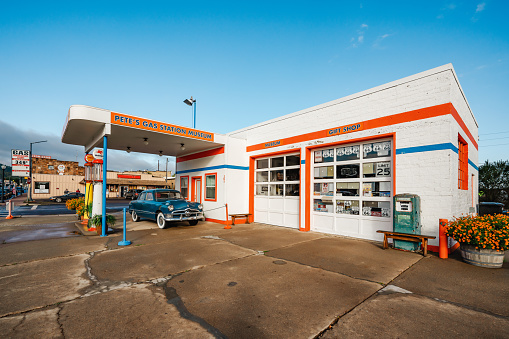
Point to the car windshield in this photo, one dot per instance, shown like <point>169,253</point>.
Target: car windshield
<point>168,195</point>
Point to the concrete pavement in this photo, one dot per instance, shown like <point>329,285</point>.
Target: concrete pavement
<point>252,281</point>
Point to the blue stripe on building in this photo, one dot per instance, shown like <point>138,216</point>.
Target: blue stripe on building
<point>435,147</point>
<point>243,168</point>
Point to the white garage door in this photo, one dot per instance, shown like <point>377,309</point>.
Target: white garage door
<point>277,187</point>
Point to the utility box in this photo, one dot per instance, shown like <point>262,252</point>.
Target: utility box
<point>407,219</point>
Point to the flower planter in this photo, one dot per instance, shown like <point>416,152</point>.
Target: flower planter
<point>482,257</point>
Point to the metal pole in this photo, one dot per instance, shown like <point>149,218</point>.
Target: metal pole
<point>194,117</point>
<point>166,177</point>
<point>124,242</point>
<point>105,160</point>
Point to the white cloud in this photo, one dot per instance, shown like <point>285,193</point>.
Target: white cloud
<point>361,39</point>
<point>364,26</point>
<point>480,7</point>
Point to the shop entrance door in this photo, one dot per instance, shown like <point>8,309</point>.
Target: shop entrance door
<point>196,189</point>
<point>277,190</point>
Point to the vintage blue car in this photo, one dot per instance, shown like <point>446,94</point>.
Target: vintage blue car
<point>164,206</point>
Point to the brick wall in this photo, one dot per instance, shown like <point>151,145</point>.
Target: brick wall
<point>50,166</point>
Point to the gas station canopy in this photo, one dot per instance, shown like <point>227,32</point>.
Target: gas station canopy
<point>86,126</point>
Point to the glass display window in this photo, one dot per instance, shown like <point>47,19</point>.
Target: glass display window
<point>347,207</point>
<point>376,189</point>
<point>347,171</point>
<point>262,176</point>
<point>361,180</point>
<point>262,163</point>
<point>348,153</point>
<point>376,208</point>
<point>377,149</point>
<point>320,205</point>
<point>346,189</point>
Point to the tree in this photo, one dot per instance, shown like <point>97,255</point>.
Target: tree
<point>494,181</point>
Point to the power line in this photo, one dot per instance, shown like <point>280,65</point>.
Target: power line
<point>494,133</point>
<point>492,145</point>
<point>494,139</point>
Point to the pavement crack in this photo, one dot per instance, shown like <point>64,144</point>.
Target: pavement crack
<point>60,325</point>
<point>174,299</point>
<point>19,324</point>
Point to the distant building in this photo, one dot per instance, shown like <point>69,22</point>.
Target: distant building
<point>53,177</point>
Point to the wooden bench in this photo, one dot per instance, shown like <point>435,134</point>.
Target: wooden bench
<point>407,237</point>
<point>240,215</point>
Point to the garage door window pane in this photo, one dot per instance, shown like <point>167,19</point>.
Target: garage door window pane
<point>376,169</point>
<point>377,149</point>
<point>348,153</point>
<point>347,207</point>
<point>293,174</point>
<point>376,208</point>
<point>276,175</point>
<point>276,190</point>
<point>277,162</point>
<point>292,190</point>
<point>292,160</point>
<point>262,176</point>
<point>376,189</point>
<point>347,171</point>
<point>320,205</point>
<point>324,172</point>
<point>262,189</point>
<point>347,189</point>
<point>263,163</point>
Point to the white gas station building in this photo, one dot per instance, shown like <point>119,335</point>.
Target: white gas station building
<point>332,168</point>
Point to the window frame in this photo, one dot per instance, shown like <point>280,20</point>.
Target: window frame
<point>187,188</point>
<point>215,186</point>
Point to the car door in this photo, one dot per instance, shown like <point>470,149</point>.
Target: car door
<point>150,205</point>
<point>138,205</point>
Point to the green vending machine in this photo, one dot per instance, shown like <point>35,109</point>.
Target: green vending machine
<point>407,219</point>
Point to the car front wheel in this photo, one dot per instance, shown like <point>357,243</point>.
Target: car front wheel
<point>193,222</point>
<point>58,200</point>
<point>135,216</point>
<point>160,220</point>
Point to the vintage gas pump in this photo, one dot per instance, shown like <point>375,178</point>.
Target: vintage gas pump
<point>89,158</point>
<point>97,169</point>
<point>407,219</point>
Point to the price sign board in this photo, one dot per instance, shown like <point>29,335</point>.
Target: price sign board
<point>20,161</point>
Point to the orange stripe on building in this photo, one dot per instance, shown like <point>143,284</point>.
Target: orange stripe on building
<point>200,155</point>
<point>419,114</point>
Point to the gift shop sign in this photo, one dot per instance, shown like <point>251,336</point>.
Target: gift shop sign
<point>156,126</point>
<point>20,161</point>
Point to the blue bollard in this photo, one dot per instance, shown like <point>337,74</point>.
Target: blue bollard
<point>124,242</point>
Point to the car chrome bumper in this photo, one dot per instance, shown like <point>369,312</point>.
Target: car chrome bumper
<point>183,216</point>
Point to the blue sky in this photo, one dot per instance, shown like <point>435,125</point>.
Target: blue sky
<point>244,62</point>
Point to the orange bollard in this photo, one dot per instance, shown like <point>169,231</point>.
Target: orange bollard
<point>227,227</point>
<point>10,210</point>
<point>443,251</point>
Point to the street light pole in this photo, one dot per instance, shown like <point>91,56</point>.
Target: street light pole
<point>31,181</point>
<point>3,173</point>
<point>192,102</point>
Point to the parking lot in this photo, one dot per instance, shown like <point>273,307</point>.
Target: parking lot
<point>251,281</point>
